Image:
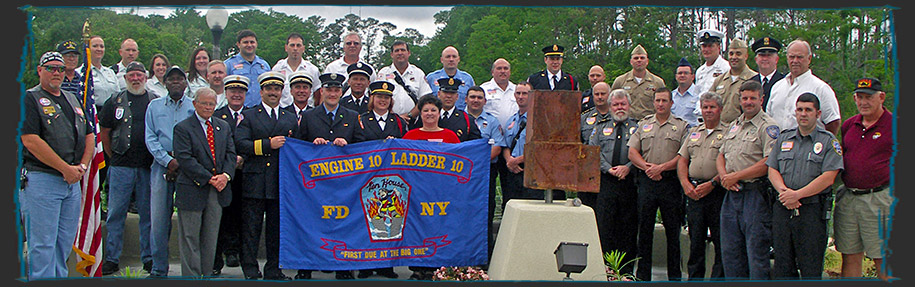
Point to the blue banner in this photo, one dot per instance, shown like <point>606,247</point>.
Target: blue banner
<point>383,203</point>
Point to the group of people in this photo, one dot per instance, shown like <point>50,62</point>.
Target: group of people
<point>205,141</point>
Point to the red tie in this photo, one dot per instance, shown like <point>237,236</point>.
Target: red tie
<point>211,142</point>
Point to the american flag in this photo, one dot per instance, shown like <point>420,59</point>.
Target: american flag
<point>88,243</point>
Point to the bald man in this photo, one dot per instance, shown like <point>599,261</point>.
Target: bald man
<point>450,60</point>
<point>595,75</point>
<point>129,52</point>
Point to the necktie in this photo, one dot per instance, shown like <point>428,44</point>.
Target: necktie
<point>381,123</point>
<point>272,115</point>
<point>445,115</point>
<point>765,81</point>
<point>555,81</point>
<point>211,142</point>
<point>617,145</point>
<point>330,116</point>
<point>238,117</point>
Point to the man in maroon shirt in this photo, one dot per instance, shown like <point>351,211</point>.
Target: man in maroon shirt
<point>862,208</point>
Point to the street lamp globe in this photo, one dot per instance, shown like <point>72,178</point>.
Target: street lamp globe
<point>217,18</point>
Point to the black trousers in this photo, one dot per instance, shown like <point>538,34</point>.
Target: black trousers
<point>516,190</point>
<point>616,211</point>
<point>666,195</point>
<point>703,217</point>
<point>229,240</point>
<point>253,212</point>
<point>800,241</point>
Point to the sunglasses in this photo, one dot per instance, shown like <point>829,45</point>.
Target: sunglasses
<point>54,68</point>
<point>353,43</point>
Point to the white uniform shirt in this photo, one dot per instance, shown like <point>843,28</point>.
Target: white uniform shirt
<point>122,70</point>
<point>500,103</point>
<point>195,84</point>
<point>105,84</point>
<point>414,77</point>
<point>283,68</point>
<point>339,66</point>
<point>783,99</point>
<point>705,74</point>
<point>153,85</point>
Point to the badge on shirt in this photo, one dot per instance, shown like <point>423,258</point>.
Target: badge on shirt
<point>733,129</point>
<point>631,130</point>
<point>484,125</point>
<point>647,128</point>
<point>238,66</point>
<point>837,146</point>
<point>44,101</point>
<point>389,76</point>
<point>817,148</point>
<point>49,110</point>
<point>719,136</point>
<point>78,111</point>
<point>716,74</point>
<point>627,87</point>
<point>786,146</point>
<point>607,131</point>
<point>510,125</point>
<point>590,120</point>
<point>585,100</point>
<point>876,135</point>
<point>772,131</point>
<point>119,113</point>
<point>694,136</point>
<point>674,128</point>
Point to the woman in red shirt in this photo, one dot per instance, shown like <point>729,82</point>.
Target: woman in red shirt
<point>430,113</point>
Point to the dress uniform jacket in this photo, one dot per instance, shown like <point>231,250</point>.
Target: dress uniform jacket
<point>225,113</point>
<point>197,164</point>
<point>642,94</point>
<point>462,124</point>
<point>261,168</point>
<point>349,102</point>
<point>767,86</point>
<point>394,126</point>
<point>316,124</point>
<point>541,81</point>
<point>729,90</point>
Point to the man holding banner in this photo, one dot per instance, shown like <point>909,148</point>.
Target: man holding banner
<point>261,133</point>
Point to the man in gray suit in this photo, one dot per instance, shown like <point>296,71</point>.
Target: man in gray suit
<point>205,152</point>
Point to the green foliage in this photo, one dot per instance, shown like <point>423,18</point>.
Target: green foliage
<point>614,262</point>
<point>128,273</point>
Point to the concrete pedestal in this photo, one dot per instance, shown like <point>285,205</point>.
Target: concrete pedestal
<point>529,233</point>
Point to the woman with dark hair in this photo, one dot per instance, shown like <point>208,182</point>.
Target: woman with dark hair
<point>156,81</point>
<point>197,70</point>
<point>430,112</point>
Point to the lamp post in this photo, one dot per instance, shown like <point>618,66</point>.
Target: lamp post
<point>217,18</point>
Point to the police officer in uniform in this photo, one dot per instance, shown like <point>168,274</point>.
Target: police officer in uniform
<point>746,212</point>
<point>357,98</point>
<point>802,168</point>
<point>653,149</point>
<point>453,118</point>
<point>640,83</point>
<point>699,179</point>
<point>615,206</point>
<point>552,78</point>
<point>728,84</point>
<point>259,137</point>
<point>58,145</point>
<point>766,58</point>
<point>229,242</point>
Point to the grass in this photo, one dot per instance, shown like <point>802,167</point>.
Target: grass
<point>132,273</point>
<point>832,265</point>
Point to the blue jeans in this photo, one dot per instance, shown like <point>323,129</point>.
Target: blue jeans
<point>50,209</point>
<point>122,182</point>
<point>161,207</point>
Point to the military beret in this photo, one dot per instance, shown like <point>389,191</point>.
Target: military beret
<point>381,88</point>
<point>709,36</point>
<point>236,81</point>
<point>766,45</point>
<point>868,85</point>
<point>359,68</point>
<point>331,80</point>
<point>67,46</point>
<point>554,50</point>
<point>270,78</point>
<point>449,84</point>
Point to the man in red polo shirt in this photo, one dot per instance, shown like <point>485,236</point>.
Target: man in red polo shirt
<point>862,208</point>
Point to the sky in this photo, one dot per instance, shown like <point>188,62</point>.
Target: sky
<point>416,17</point>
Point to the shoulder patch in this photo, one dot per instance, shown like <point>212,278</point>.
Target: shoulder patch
<point>837,146</point>
<point>772,131</point>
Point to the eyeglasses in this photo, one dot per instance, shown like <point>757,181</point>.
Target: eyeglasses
<point>54,68</point>
<point>353,43</point>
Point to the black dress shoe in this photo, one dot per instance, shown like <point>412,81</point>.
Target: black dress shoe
<point>232,260</point>
<point>364,274</point>
<point>147,266</point>
<point>217,272</point>
<point>303,275</point>
<point>109,267</point>
<point>327,271</point>
<point>253,277</point>
<point>386,272</point>
<point>155,276</point>
<point>345,275</point>
<point>278,277</point>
